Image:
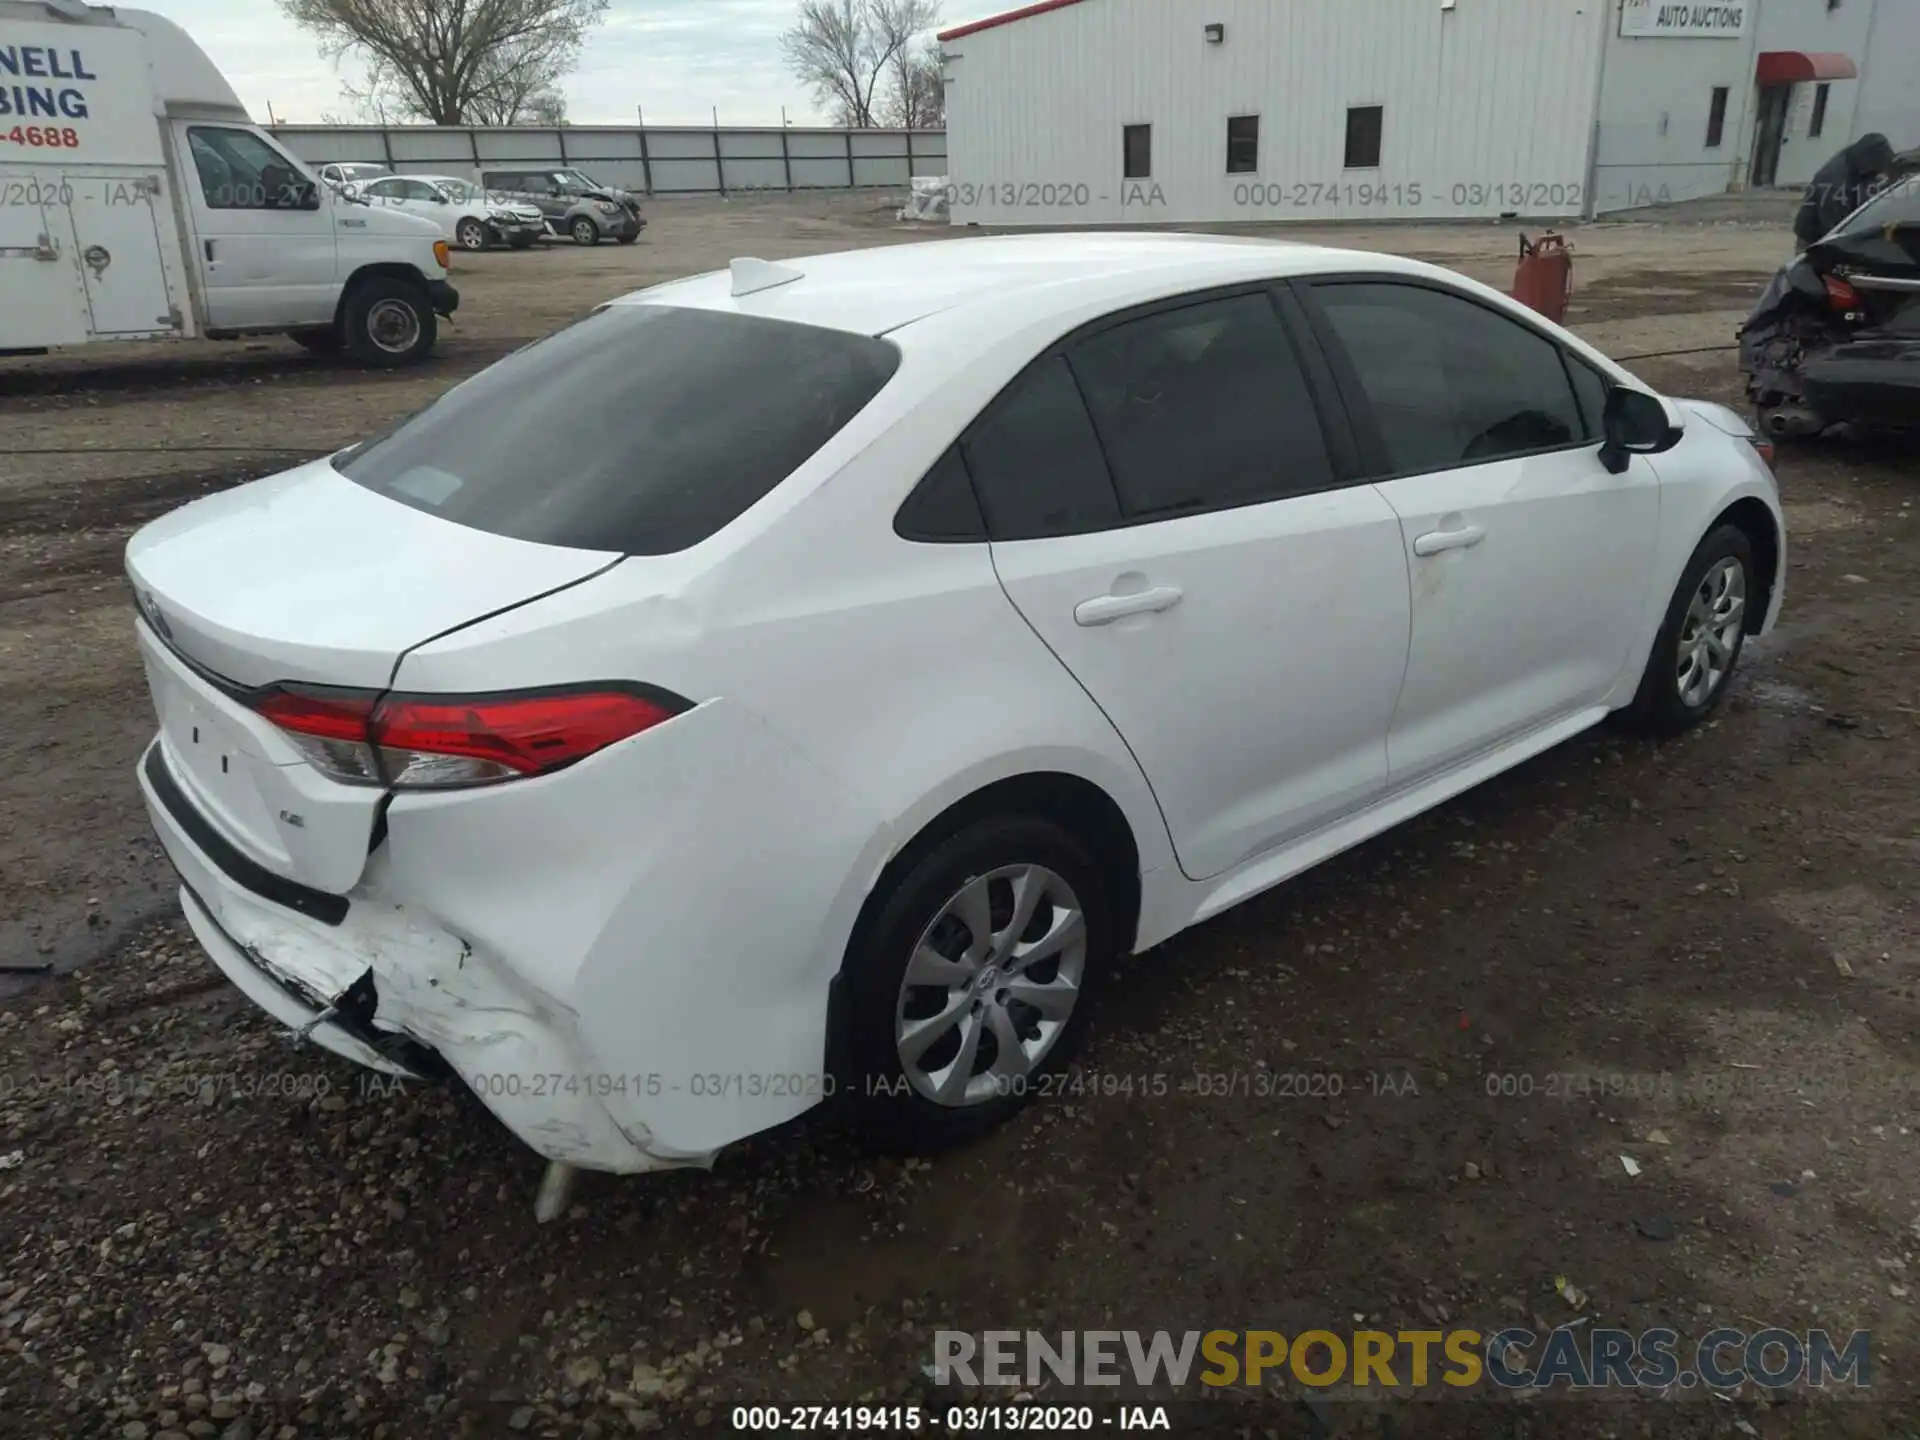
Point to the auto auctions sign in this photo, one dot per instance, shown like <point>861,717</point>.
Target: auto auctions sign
<point>1685,19</point>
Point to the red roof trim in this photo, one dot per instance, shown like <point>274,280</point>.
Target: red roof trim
<point>1790,67</point>
<point>1007,19</point>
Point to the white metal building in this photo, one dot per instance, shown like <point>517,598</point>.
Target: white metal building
<point>1145,111</point>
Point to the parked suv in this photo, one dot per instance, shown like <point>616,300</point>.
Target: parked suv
<point>573,204</point>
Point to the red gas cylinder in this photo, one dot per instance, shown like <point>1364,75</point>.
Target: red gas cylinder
<point>1543,280</point>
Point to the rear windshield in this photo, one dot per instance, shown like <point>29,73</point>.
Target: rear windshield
<point>642,429</point>
<point>1898,204</point>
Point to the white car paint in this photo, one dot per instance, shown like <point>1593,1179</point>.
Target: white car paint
<point>663,920</point>
<point>447,201</point>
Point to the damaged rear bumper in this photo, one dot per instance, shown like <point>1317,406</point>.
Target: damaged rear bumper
<point>371,981</point>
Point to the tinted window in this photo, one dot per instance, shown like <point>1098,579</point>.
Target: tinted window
<point>240,171</point>
<point>1717,117</point>
<point>1201,408</point>
<point>1035,461</point>
<point>1591,388</point>
<point>1450,382</point>
<point>942,507</point>
<point>644,428</point>
<point>1365,125</point>
<point>1243,145</point>
<point>1136,144</point>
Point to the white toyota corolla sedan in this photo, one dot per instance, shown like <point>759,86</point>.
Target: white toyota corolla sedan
<point>907,634</point>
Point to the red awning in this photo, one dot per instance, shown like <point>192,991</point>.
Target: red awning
<point>1789,67</point>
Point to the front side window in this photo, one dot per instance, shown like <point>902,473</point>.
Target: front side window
<point>240,171</point>
<point>1202,408</point>
<point>382,190</point>
<point>1450,382</point>
<point>673,420</point>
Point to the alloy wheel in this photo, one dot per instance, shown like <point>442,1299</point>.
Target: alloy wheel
<point>1710,638</point>
<point>991,985</point>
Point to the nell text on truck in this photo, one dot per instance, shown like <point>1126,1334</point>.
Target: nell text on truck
<point>139,201</point>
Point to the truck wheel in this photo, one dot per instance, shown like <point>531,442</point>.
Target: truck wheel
<point>471,234</point>
<point>585,232</point>
<point>388,323</point>
<point>320,341</point>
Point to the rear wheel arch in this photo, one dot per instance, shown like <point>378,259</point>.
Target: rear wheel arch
<point>1073,802</point>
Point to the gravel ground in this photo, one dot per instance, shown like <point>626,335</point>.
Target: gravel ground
<point>206,1232</point>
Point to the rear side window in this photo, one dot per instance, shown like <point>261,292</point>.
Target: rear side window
<point>1202,408</point>
<point>643,429</point>
<point>1036,463</point>
<point>1450,382</point>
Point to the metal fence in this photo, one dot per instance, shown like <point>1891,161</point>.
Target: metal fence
<point>654,160</point>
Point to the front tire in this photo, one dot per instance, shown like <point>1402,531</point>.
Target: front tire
<point>1700,640</point>
<point>968,986</point>
<point>471,234</point>
<point>388,323</point>
<point>585,232</point>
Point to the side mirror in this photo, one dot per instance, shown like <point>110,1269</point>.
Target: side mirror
<point>1637,423</point>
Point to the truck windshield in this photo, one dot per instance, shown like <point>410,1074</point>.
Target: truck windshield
<point>642,429</point>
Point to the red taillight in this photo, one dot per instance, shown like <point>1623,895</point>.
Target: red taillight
<point>433,741</point>
<point>1765,447</point>
<point>1840,295</point>
<point>442,740</point>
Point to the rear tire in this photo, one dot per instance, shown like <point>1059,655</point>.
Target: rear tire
<point>584,231</point>
<point>1694,656</point>
<point>956,1049</point>
<point>388,323</point>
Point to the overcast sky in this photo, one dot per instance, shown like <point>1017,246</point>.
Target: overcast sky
<point>678,58</point>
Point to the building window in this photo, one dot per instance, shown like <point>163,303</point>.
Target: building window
<point>1717,117</point>
<point>1364,126</point>
<point>1819,121</point>
<point>1243,144</point>
<point>1136,144</point>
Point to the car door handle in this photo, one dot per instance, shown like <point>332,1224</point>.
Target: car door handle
<point>1105,609</point>
<point>1435,541</point>
<point>209,248</point>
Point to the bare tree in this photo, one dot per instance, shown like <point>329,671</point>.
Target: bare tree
<point>916,93</point>
<point>842,49</point>
<point>448,61</point>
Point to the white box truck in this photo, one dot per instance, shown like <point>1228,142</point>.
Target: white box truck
<point>138,201</point>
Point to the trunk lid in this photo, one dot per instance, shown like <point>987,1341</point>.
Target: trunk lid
<point>305,577</point>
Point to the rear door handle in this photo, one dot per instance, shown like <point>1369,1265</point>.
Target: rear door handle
<point>1105,609</point>
<point>1435,541</point>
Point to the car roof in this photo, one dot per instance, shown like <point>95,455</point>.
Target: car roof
<point>878,290</point>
